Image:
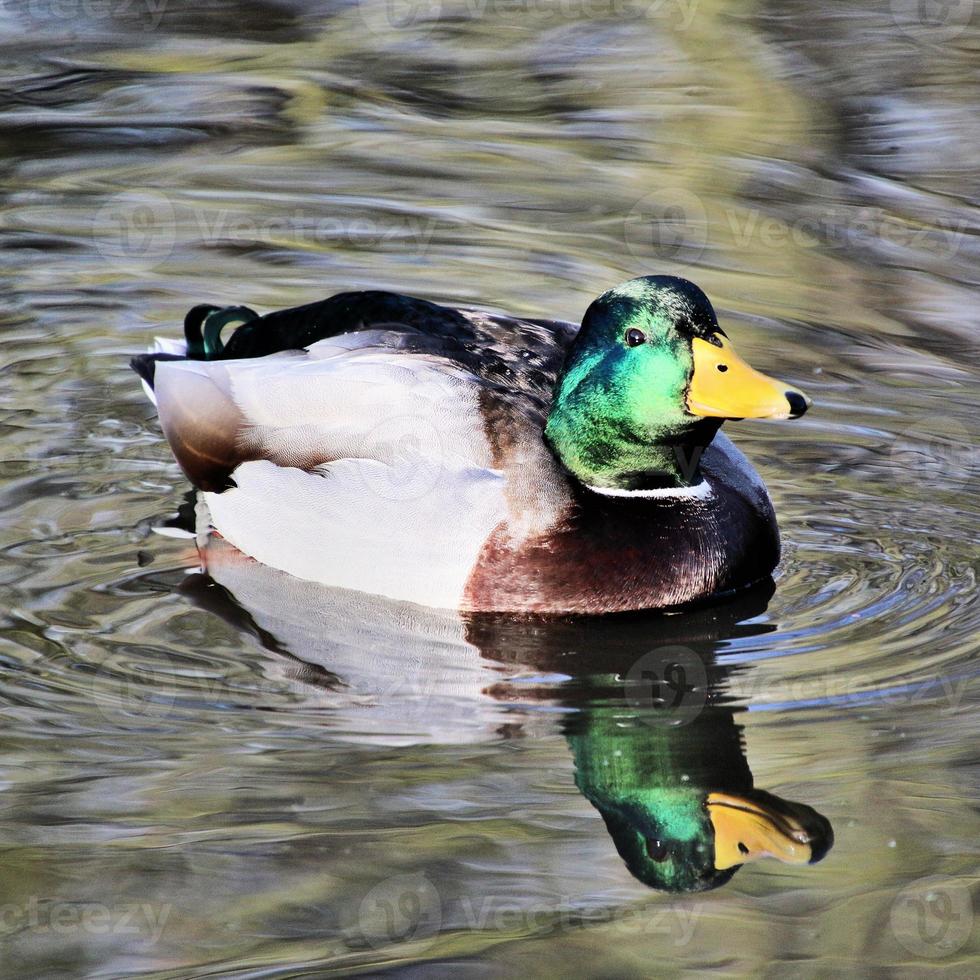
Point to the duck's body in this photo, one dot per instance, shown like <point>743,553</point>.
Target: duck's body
<point>385,444</point>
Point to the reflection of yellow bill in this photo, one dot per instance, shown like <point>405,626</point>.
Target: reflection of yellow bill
<point>746,831</point>
<point>724,386</point>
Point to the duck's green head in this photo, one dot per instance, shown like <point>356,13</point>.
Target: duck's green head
<point>681,839</point>
<point>647,382</point>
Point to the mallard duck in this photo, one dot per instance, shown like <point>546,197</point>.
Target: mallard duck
<point>473,461</point>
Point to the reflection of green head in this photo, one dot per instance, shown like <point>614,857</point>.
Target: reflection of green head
<point>650,784</point>
<point>664,839</point>
<point>678,801</point>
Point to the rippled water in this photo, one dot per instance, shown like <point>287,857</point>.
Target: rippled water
<point>228,773</point>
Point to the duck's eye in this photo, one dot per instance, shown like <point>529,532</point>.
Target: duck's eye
<point>656,850</point>
<point>635,337</point>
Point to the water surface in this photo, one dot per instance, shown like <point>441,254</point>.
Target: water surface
<point>218,773</point>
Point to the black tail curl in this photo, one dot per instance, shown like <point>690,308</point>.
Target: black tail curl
<point>202,331</point>
<point>203,326</point>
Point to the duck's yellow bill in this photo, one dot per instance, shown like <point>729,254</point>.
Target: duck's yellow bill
<point>723,386</point>
<point>746,831</point>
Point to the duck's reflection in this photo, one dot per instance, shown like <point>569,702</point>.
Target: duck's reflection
<point>657,750</point>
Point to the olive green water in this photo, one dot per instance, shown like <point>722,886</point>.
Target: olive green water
<point>240,775</point>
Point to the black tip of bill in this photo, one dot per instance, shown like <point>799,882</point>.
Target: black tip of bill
<point>797,404</point>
